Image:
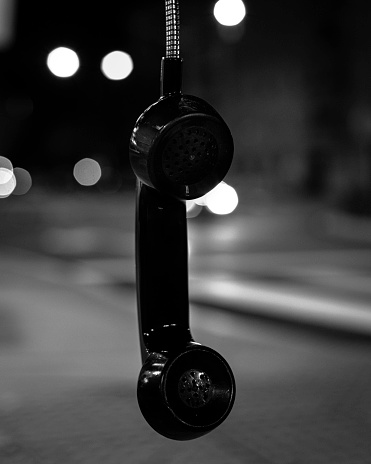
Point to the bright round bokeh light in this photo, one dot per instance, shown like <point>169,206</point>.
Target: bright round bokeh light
<point>87,172</point>
<point>5,175</point>
<point>117,65</point>
<point>229,12</point>
<point>190,204</point>
<point>201,201</point>
<point>193,209</point>
<point>7,182</point>
<point>6,163</point>
<point>63,62</point>
<point>24,181</point>
<point>223,199</point>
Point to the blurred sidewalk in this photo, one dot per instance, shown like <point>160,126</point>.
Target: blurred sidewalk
<point>69,360</point>
<point>349,227</point>
<point>69,354</point>
<point>317,273</point>
<point>273,257</point>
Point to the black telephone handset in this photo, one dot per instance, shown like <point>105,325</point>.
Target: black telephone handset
<point>180,149</point>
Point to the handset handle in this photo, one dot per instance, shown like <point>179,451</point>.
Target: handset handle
<point>162,271</point>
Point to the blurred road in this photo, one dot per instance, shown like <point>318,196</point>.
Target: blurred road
<point>282,290</point>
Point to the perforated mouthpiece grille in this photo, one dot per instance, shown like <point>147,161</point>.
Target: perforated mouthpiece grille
<point>195,388</point>
<point>189,155</point>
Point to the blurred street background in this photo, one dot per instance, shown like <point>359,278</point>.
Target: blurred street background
<point>279,257</point>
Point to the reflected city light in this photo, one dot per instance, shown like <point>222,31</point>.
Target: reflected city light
<point>223,199</point>
<point>24,181</point>
<point>117,65</point>
<point>63,62</point>
<point>229,12</point>
<point>87,172</point>
<point>7,182</point>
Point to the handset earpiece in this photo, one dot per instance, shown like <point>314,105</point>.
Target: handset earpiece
<point>180,145</point>
<point>180,148</point>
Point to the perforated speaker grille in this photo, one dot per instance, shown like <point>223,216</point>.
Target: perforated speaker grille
<point>195,388</point>
<point>189,155</point>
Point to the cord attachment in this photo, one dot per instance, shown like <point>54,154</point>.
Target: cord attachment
<point>171,64</point>
<point>172,18</point>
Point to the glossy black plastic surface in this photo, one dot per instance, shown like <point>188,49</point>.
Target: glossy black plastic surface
<point>162,271</point>
<point>163,405</point>
<point>197,137</point>
<point>180,149</point>
<point>184,389</point>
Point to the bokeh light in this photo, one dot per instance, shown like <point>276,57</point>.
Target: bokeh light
<point>24,181</point>
<point>229,12</point>
<point>223,199</point>
<point>6,163</point>
<point>117,65</point>
<point>7,182</point>
<point>63,62</point>
<point>193,209</point>
<point>87,172</point>
<point>201,201</point>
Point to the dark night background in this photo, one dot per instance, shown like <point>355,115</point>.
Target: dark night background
<point>293,83</point>
<point>281,287</point>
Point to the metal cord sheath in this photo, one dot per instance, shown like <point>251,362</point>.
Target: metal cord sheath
<point>172,19</point>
